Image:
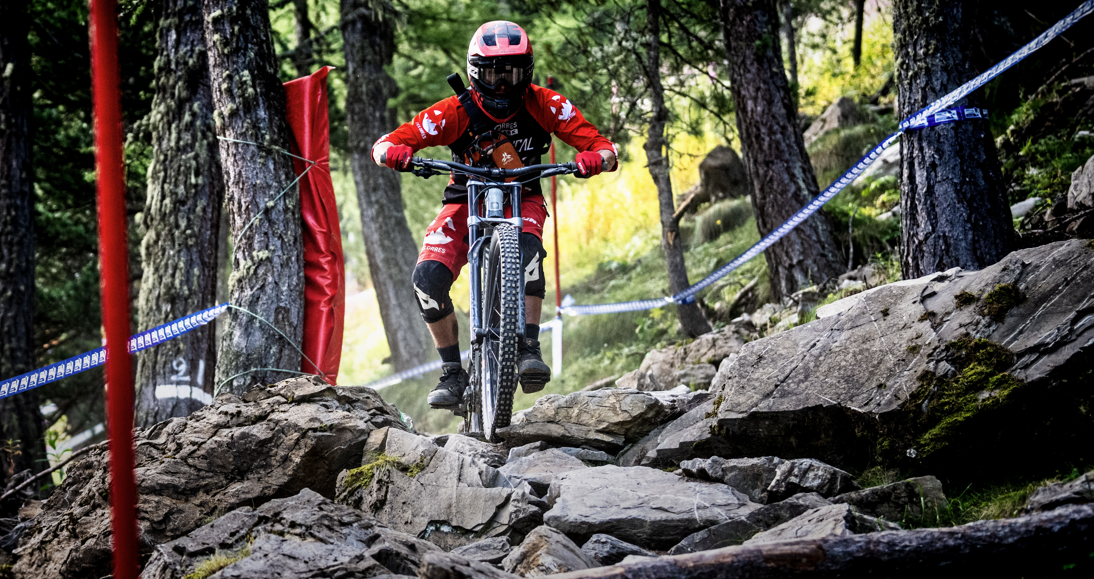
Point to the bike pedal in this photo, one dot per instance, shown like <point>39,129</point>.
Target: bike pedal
<point>531,382</point>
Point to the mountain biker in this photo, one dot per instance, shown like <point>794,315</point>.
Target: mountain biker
<point>500,65</point>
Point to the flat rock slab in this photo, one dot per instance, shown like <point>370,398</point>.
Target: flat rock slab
<point>607,550</point>
<point>303,536</point>
<point>917,500</point>
<point>446,498</point>
<point>601,419</point>
<point>751,476</point>
<point>296,434</point>
<point>831,521</point>
<point>647,507</point>
<point>1054,496</point>
<point>453,566</point>
<point>546,551</point>
<point>540,468</point>
<point>955,373</point>
<point>489,454</point>
<point>740,529</point>
<point>806,475</point>
<point>491,551</point>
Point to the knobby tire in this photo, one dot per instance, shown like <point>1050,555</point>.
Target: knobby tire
<point>501,306</point>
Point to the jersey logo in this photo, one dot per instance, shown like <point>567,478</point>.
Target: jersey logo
<point>567,112</point>
<point>429,126</point>
<point>437,238</point>
<point>505,158</point>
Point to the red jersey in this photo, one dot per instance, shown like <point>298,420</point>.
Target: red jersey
<point>545,112</point>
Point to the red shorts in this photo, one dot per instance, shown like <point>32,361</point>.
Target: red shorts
<point>446,237</point>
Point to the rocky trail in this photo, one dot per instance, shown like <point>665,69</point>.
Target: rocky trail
<point>720,457</point>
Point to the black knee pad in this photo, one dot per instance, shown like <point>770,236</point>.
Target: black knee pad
<point>432,282</point>
<point>532,255</point>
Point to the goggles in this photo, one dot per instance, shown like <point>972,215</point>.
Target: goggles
<point>494,76</point>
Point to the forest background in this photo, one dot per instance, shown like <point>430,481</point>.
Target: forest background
<point>608,226</point>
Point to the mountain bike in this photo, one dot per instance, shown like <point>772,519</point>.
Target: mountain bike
<point>497,285</point>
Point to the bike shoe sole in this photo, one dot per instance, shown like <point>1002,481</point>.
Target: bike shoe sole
<point>533,380</point>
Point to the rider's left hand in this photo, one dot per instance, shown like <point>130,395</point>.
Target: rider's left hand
<point>589,163</point>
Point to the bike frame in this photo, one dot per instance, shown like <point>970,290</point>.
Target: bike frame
<point>485,210</point>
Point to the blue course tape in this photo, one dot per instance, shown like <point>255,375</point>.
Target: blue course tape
<point>94,358</point>
<point>932,115</point>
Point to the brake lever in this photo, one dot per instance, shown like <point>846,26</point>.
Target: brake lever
<point>424,172</point>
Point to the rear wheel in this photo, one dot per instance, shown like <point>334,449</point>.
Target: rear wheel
<point>501,317</point>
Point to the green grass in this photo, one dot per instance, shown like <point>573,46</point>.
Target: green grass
<point>218,561</point>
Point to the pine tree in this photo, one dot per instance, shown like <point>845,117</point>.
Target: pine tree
<point>20,418</point>
<point>267,265</point>
<point>953,210</point>
<point>782,177</point>
<point>368,32</point>
<point>181,218</point>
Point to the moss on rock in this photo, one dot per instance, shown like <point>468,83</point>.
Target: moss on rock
<point>1001,300</point>
<point>362,476</point>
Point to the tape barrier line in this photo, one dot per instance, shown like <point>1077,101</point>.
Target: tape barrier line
<point>97,357</point>
<point>934,114</point>
<point>428,367</point>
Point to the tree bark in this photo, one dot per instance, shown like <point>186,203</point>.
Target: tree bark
<point>952,201</point>
<point>368,32</point>
<point>782,177</point>
<point>691,317</point>
<point>303,55</point>
<point>267,264</point>
<point>181,219</point>
<point>1034,546</point>
<point>20,418</point>
<point>856,47</point>
<point>791,48</point>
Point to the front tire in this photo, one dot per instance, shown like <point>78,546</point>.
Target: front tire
<point>501,314</point>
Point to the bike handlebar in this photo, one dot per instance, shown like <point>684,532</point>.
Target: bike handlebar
<point>546,170</point>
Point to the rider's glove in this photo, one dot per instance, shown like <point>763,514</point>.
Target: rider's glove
<point>589,163</point>
<point>398,157</point>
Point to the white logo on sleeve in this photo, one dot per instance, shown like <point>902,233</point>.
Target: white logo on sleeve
<point>567,112</point>
<point>429,126</point>
<point>531,273</point>
<point>428,303</point>
<point>437,238</point>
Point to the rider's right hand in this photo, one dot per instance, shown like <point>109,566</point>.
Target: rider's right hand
<point>398,157</point>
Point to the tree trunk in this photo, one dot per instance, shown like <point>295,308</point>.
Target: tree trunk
<point>20,419</point>
<point>303,55</point>
<point>267,262</point>
<point>182,218</point>
<point>691,317</point>
<point>1034,546</point>
<point>782,177</point>
<point>368,32</point>
<point>856,48</point>
<point>953,207</point>
<point>791,49</point>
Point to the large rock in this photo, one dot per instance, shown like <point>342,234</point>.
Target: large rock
<point>917,500</point>
<point>413,486</point>
<point>740,529</point>
<point>602,419</point>
<point>647,507</point>
<point>540,468</point>
<point>1081,193</point>
<point>751,476</point>
<point>825,522</point>
<point>959,373</point>
<point>1054,496</point>
<point>685,364</point>
<point>302,536</point>
<point>722,175</point>
<point>607,550</point>
<point>492,551</point>
<point>809,476</point>
<point>546,551</point>
<point>886,165</point>
<point>294,435</point>
<point>489,454</point>
<point>841,114</point>
<point>453,566</point>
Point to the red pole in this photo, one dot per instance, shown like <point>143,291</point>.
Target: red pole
<point>554,221</point>
<point>114,263</point>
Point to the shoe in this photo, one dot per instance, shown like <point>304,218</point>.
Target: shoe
<point>534,374</point>
<point>448,394</point>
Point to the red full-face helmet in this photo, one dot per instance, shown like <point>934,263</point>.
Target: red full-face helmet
<point>500,64</point>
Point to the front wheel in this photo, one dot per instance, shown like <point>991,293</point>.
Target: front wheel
<point>501,307</point>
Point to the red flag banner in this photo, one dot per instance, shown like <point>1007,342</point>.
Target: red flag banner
<point>324,266</point>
